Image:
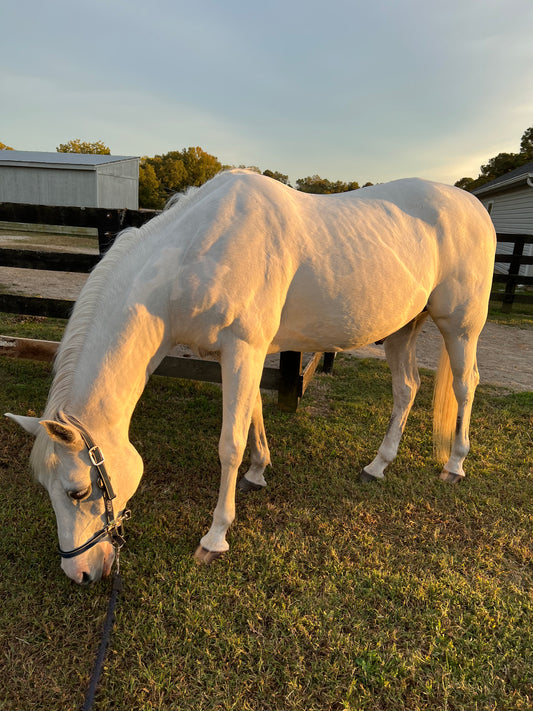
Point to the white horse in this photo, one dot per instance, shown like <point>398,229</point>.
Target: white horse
<point>242,267</point>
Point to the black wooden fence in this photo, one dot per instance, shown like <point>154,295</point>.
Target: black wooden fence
<point>290,379</point>
<point>513,280</point>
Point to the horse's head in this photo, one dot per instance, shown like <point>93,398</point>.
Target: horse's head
<point>89,496</point>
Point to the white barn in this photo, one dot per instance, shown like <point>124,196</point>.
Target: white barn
<point>509,201</point>
<point>69,179</point>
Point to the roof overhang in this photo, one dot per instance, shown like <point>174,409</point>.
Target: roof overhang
<point>526,178</point>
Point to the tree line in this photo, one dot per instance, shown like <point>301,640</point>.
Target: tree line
<point>163,175</point>
<point>501,164</point>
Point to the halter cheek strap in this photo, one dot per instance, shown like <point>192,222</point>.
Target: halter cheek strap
<point>113,526</point>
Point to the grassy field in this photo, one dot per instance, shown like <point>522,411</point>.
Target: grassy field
<point>37,237</point>
<point>409,594</point>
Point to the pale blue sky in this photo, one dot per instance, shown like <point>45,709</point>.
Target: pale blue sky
<point>348,89</point>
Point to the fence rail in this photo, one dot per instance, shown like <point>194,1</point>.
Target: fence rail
<point>290,380</point>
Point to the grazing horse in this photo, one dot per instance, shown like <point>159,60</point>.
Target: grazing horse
<point>242,267</point>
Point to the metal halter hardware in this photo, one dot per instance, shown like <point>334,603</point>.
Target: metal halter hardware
<point>113,527</point>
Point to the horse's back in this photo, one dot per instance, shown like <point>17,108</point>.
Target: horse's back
<point>309,271</point>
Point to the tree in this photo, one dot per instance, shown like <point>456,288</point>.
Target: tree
<point>149,188</point>
<point>3,147</point>
<point>253,168</point>
<point>465,184</point>
<point>277,176</point>
<point>199,166</point>
<point>323,186</point>
<point>501,164</point>
<point>174,172</point>
<point>526,144</point>
<point>79,146</point>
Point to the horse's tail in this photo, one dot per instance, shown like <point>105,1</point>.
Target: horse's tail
<point>444,409</point>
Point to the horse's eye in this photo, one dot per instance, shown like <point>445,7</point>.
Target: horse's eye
<point>80,495</point>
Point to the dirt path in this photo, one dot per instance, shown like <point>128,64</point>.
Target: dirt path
<point>505,353</point>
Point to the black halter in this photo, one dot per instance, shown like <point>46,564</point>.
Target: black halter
<point>113,526</point>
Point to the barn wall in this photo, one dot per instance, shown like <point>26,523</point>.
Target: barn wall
<point>48,186</point>
<point>118,185</point>
<point>512,213</point>
<point>80,181</point>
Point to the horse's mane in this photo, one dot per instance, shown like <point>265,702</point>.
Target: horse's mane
<point>90,301</point>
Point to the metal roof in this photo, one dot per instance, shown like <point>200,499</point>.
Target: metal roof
<point>79,161</point>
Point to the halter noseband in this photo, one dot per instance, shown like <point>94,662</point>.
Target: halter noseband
<point>113,526</point>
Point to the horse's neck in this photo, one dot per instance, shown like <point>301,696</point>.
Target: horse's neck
<point>119,355</point>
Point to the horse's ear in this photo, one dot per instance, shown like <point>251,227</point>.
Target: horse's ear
<point>30,424</point>
<point>62,433</point>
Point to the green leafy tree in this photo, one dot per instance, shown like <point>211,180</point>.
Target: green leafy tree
<point>3,147</point>
<point>526,144</point>
<point>465,184</point>
<point>253,168</point>
<point>501,164</point>
<point>149,188</point>
<point>277,176</point>
<point>174,172</point>
<point>79,146</point>
<point>199,166</point>
<point>323,186</point>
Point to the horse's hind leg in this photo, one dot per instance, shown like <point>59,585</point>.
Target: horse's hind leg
<point>400,350</point>
<point>254,479</point>
<point>461,345</point>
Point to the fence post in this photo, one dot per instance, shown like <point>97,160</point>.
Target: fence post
<point>290,386</point>
<point>108,230</point>
<point>514,271</point>
<point>329,360</point>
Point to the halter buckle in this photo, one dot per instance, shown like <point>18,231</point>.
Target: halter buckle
<point>96,456</point>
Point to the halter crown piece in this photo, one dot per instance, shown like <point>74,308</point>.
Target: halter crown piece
<point>113,527</point>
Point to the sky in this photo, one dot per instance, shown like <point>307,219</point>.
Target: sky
<point>365,90</point>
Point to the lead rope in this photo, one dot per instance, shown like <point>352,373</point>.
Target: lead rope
<point>116,589</point>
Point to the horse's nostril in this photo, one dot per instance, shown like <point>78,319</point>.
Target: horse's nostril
<point>86,579</point>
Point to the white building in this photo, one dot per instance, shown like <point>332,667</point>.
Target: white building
<point>69,179</point>
<point>509,201</point>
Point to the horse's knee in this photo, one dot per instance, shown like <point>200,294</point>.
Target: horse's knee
<point>231,451</point>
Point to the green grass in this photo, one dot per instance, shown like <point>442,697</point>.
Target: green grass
<point>409,594</point>
<point>37,239</point>
<point>21,326</point>
<point>521,315</point>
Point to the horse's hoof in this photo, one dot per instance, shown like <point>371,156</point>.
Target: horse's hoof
<point>247,486</point>
<point>365,477</point>
<point>205,557</point>
<point>450,477</point>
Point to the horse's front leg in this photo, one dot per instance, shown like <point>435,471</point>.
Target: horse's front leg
<point>241,366</point>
